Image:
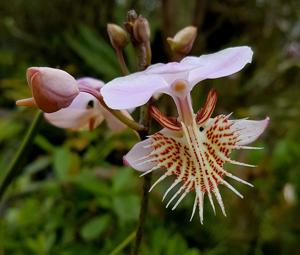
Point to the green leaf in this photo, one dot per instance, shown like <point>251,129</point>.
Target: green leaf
<point>37,165</point>
<point>95,227</point>
<point>122,180</point>
<point>62,162</point>
<point>126,207</point>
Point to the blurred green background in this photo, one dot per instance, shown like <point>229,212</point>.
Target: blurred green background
<point>74,196</point>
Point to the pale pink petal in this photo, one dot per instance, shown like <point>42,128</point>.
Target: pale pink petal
<point>219,64</point>
<point>136,89</point>
<point>132,90</point>
<point>90,82</point>
<point>78,115</point>
<point>171,72</point>
<point>249,130</point>
<point>137,157</point>
<point>71,118</point>
<point>172,67</point>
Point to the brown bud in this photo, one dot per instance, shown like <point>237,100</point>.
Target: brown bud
<point>141,30</point>
<point>183,41</point>
<point>117,35</point>
<point>52,89</point>
<point>131,16</point>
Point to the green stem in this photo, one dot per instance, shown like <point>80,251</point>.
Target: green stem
<point>121,117</point>
<point>146,121</point>
<point>122,245</point>
<point>14,168</point>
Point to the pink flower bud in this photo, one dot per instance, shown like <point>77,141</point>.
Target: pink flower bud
<point>183,41</point>
<point>52,89</point>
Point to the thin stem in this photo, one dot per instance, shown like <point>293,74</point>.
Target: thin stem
<point>121,117</point>
<point>143,52</point>
<point>145,120</point>
<point>123,244</point>
<point>14,168</point>
<point>122,62</point>
<point>143,214</point>
<point>148,54</point>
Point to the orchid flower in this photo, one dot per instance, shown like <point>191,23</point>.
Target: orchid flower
<point>85,112</point>
<point>194,147</point>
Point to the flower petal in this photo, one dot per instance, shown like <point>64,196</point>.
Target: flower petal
<point>78,115</point>
<point>249,130</point>
<point>219,64</point>
<point>171,68</point>
<point>132,90</point>
<point>90,82</point>
<point>137,156</point>
<point>70,118</point>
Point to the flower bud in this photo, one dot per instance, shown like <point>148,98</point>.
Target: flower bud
<point>183,41</point>
<point>117,35</point>
<point>52,89</point>
<point>141,30</point>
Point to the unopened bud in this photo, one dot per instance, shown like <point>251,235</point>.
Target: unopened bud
<point>131,16</point>
<point>141,30</point>
<point>117,35</point>
<point>52,89</point>
<point>183,41</point>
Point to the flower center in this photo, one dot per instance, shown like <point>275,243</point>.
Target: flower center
<point>182,98</point>
<point>180,88</point>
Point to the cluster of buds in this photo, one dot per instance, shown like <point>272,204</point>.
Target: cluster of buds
<point>139,30</point>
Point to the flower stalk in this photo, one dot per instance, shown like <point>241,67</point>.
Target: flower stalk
<point>122,63</point>
<point>123,244</point>
<point>139,30</point>
<point>14,168</point>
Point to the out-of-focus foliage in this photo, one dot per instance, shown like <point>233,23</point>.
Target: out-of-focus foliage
<point>75,197</point>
